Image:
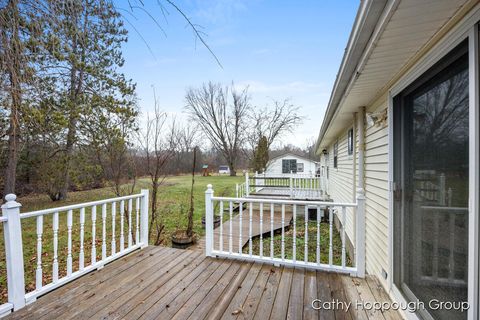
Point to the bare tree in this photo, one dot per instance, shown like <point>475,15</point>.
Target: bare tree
<point>224,121</point>
<point>273,122</point>
<point>186,138</point>
<point>157,148</point>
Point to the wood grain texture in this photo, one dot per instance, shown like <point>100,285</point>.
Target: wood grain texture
<point>165,283</point>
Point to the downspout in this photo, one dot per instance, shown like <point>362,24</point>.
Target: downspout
<point>361,149</point>
<point>360,214</point>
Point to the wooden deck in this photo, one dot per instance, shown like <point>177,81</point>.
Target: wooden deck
<point>165,283</point>
<point>244,222</point>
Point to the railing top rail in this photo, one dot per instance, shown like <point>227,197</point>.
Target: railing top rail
<point>3,219</point>
<point>78,206</point>
<point>441,208</point>
<point>282,201</point>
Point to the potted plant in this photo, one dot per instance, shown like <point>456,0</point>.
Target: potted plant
<point>184,238</point>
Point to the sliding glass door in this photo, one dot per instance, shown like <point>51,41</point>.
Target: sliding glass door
<point>431,172</point>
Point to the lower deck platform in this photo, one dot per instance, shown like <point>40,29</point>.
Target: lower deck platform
<point>165,283</point>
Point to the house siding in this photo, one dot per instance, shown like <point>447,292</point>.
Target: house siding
<point>376,194</point>
<point>342,188</point>
<point>274,166</point>
<point>341,182</point>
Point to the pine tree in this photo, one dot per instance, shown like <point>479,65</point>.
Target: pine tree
<point>84,49</point>
<point>260,158</point>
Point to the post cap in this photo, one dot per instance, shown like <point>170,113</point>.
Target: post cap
<point>10,202</point>
<point>10,197</point>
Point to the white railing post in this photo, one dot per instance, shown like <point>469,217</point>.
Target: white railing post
<point>144,218</point>
<point>209,220</point>
<point>236,190</point>
<point>14,252</point>
<point>247,184</point>
<point>291,184</point>
<point>360,234</point>
<point>442,194</point>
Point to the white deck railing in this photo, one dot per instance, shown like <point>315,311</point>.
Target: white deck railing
<point>293,185</point>
<point>261,215</point>
<point>131,220</point>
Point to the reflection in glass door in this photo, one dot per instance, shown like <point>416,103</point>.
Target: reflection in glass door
<point>431,175</point>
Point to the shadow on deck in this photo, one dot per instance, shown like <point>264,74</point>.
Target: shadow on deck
<point>165,283</point>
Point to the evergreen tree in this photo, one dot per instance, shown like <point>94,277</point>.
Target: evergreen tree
<point>260,155</point>
<point>84,53</point>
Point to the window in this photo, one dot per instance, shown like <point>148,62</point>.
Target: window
<point>350,142</point>
<point>335,155</point>
<point>289,165</point>
<point>299,167</point>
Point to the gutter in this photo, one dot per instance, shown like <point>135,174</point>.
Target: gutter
<point>365,24</point>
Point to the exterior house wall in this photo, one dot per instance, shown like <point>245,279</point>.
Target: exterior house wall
<point>341,181</point>
<point>274,166</point>
<point>376,194</point>
<point>342,186</point>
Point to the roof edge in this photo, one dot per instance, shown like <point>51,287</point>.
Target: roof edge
<point>365,23</point>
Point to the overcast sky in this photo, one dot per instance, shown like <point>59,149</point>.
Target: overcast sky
<point>281,49</point>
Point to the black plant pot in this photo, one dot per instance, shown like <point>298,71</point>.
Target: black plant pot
<point>216,222</point>
<point>181,241</point>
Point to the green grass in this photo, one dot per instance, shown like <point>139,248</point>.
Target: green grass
<point>173,205</point>
<point>300,243</point>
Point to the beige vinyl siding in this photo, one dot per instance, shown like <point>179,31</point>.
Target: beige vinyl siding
<point>376,193</point>
<point>341,181</point>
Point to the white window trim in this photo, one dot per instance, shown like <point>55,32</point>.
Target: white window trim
<point>465,28</point>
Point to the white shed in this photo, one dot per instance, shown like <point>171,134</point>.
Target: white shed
<point>289,162</point>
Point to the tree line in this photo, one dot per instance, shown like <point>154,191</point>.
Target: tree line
<point>69,118</point>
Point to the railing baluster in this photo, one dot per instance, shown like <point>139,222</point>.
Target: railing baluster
<point>240,242</point>
<point>69,233</point>
<point>344,221</point>
<point>294,245</point>
<point>220,244</point>
<point>114,240</point>
<point>230,236</point>
<point>436,229</point>
<point>306,235</point>
<point>81,256</point>
<point>250,244</point>
<point>122,214</point>
<point>261,229</point>
<point>94,229</point>
<point>104,231</point>
<point>271,230</point>
<point>55,247</point>
<point>283,232</point>
<point>451,272</point>
<point>39,271</point>
<point>318,234</point>
<point>330,246</point>
<point>130,240</point>
<point>137,221</point>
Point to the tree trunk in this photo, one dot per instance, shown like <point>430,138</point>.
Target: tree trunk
<point>190,212</point>
<point>68,155</point>
<point>15,52</point>
<point>231,166</point>
<point>13,141</point>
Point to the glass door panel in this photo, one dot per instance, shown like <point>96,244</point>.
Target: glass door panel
<point>432,170</point>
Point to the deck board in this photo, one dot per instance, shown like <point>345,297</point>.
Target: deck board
<point>164,283</point>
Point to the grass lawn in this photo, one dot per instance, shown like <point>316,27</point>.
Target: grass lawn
<point>300,243</point>
<point>173,205</point>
